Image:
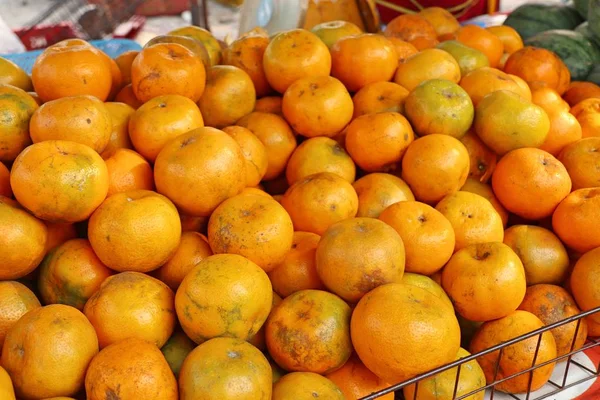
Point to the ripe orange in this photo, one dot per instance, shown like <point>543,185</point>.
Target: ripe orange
<point>269,104</point>
<point>196,46</point>
<point>588,114</point>
<point>429,284</point>
<point>580,159</point>
<point>124,61</point>
<point>509,37</point>
<point>482,160</point>
<point>332,31</point>
<point>15,301</point>
<point>177,349</point>
<point>318,155</point>
<point>127,170</point>
<point>576,217</point>
<point>377,191</point>
<point>12,74</point>
<point>485,191</point>
<point>483,40</point>
<point>127,96</point>
<point>413,28</point>
<point>119,136</point>
<point>548,99</point>
<point>468,58</point>
<point>564,130</point>
<point>304,385</point>
<point>441,19</point>
<point>483,81</point>
<point>428,64</point>
<point>379,97</point>
<point>356,381</point>
<point>18,107</point>
<point>584,283</point>
<point>539,67</point>
<point>579,91</point>
<point>404,49</point>
<point>209,42</point>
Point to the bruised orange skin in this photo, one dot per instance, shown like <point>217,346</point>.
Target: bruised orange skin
<point>379,97</point>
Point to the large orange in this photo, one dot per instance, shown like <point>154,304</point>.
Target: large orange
<point>363,59</point>
<point>482,160</point>
<point>119,135</point>
<point>539,67</point>
<point>576,219</point>
<point>530,183</point>
<point>427,235</point>
<point>6,190</point>
<point>47,352</point>
<point>316,202</point>
<point>294,332</point>
<point>483,40</point>
<point>579,91</point>
<point>256,227</point>
<point>483,81</point>
<point>587,113</point>
<point>357,255</point>
<point>18,107</point>
<point>70,274</point>
<point>317,106</point>
<point>255,153</point>
<point>428,64</point>
<point>306,386</point>
<point>15,301</point>
<point>395,354</point>
<point>128,369</point>
<point>377,191</point>
<point>225,368</point>
<point>517,357</point>
<point>59,181</point>
<point>127,170</point>
<point>211,176</point>
<point>485,190</point>
<point>223,295</point>
<point>357,381</point>
<point>138,230</point>
<point>435,166</point>
<point>379,97</point>
<point>584,283</point>
<point>581,159</point>
<point>413,28</point>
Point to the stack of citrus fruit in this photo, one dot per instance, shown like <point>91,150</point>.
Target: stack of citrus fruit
<point>307,215</point>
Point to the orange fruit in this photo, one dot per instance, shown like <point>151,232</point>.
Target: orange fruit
<point>236,224</point>
<point>138,230</point>
<point>317,106</point>
<point>435,166</point>
<point>564,130</point>
<point>579,91</point>
<point>294,332</point>
<point>482,160</point>
<point>439,106</point>
<point>70,274</point>
<point>588,114</point>
<point>379,97</point>
<point>7,390</point>
<point>510,38</point>
<point>223,295</point>
<point>316,155</point>
<point>124,61</point>
<point>304,386</point>
<point>483,81</point>
<point>18,107</point>
<point>377,142</point>
<point>15,301</point>
<point>485,191</point>
<point>298,270</point>
<point>427,235</point>
<point>59,181</point>
<point>403,49</point>
<point>441,19</point>
<point>393,354</point>
<point>377,191</point>
<point>167,68</point>
<point>552,304</point>
<point>316,202</point>
<point>225,368</point>
<point>483,40</point>
<point>177,349</point>
<point>362,59</point>
<point>59,233</point>
<point>357,255</point>
<point>127,170</point>
<point>119,136</point>
<point>332,31</point>
<point>6,190</point>
<point>576,217</point>
<point>47,351</point>
<point>468,58</point>
<point>473,218</point>
<point>258,339</point>
<point>12,74</point>
<point>130,368</point>
<point>539,67</point>
<point>89,71</point>
<point>548,99</point>
<point>584,280</point>
<point>413,28</point>
<point>210,43</point>
<point>356,381</point>
<point>277,137</point>
<point>196,46</point>
<point>292,55</point>
<point>228,96</point>
<point>210,176</point>
<point>269,104</point>
<point>580,159</point>
<point>428,64</point>
<point>516,357</point>
<point>127,96</point>
<point>530,183</point>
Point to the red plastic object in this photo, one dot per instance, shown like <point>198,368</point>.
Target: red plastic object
<point>129,29</point>
<point>43,36</point>
<point>474,8</point>
<point>150,8</point>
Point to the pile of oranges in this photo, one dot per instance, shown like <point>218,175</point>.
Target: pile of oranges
<point>315,214</point>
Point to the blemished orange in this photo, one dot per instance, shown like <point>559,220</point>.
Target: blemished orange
<point>269,104</point>
<point>413,28</point>
<point>18,107</point>
<point>473,218</point>
<point>356,381</point>
<point>292,55</point>
<point>580,159</point>
<point>579,91</point>
<point>363,59</point>
<point>379,97</point>
<point>377,142</point>
<point>485,281</point>
<point>576,219</point>
<point>584,282</point>
<point>224,295</point>
<point>441,19</point>
<point>317,106</point>
<point>551,303</point>
<point>228,96</point>
<point>160,120</point>
<point>236,224</point>
<point>70,274</point>
<point>539,67</point>
<point>132,304</point>
<point>485,190</point>
<point>530,183</point>
<point>89,72</point>
<point>167,68</point>
<point>294,332</point>
<point>277,137</point>
<point>54,363</point>
<point>298,269</point>
<point>357,255</point>
<point>425,65</point>
<point>304,386</point>
<point>543,255</point>
<point>7,391</point>
<point>517,357</point>
<point>482,40</point>
<point>482,160</point>
<point>124,61</point>
<point>58,233</point>
<point>138,230</point>
<point>587,113</point>
<point>376,191</point>
<point>427,235</point>
<point>395,354</point>
<point>210,176</point>
<point>332,31</point>
<point>127,170</point>
<point>127,96</point>
<point>130,368</point>
<point>258,339</point>
<point>316,202</point>
<point>435,166</point>
<point>15,301</point>
<point>6,190</point>
<point>59,181</point>
<point>225,368</point>
<point>483,81</point>
<point>509,37</point>
<point>12,74</point>
<point>403,48</point>
<point>119,135</point>
<point>317,155</point>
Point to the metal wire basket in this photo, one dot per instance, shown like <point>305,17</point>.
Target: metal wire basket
<point>553,387</point>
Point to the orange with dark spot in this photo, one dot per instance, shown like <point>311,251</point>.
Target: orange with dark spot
<point>377,191</point>
<point>379,97</point>
<point>485,191</point>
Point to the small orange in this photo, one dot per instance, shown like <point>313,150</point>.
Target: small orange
<point>269,104</point>
<point>127,96</point>
<point>6,190</point>
<point>255,153</point>
<point>581,159</point>
<point>15,301</point>
<point>304,386</point>
<point>485,191</point>
<point>17,108</point>
<point>124,61</point>
<point>428,64</point>
<point>483,81</point>
<point>576,219</point>
<point>587,113</point>
<point>539,67</point>
<point>427,235</point>
<point>482,40</point>
<point>377,191</point>
<point>413,28</point>
<point>119,136</point>
<point>332,31</point>
<point>579,91</point>
<point>509,37</point>
<point>127,170</point>
<point>12,74</point>
<point>357,381</point>
<point>379,97</point>
<point>403,49</point>
<point>441,19</point>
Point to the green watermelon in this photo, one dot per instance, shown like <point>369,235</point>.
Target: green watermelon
<point>531,19</point>
<point>582,7</point>
<point>577,52</point>
<point>585,30</point>
<point>594,76</point>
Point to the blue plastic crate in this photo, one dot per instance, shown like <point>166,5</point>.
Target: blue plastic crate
<point>112,47</point>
